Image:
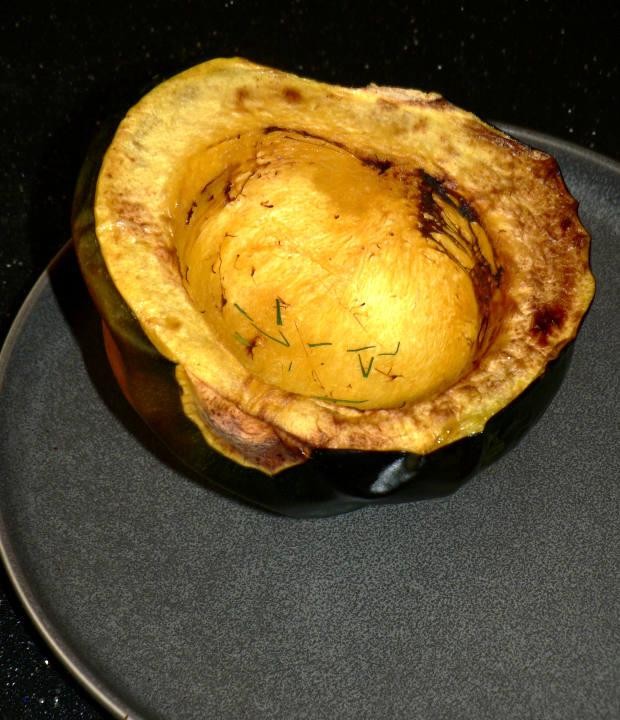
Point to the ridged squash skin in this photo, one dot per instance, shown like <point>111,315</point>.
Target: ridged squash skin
<point>220,241</point>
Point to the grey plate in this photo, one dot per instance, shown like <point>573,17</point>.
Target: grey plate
<point>168,600</point>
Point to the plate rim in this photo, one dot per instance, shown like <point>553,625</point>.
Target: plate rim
<point>21,585</point>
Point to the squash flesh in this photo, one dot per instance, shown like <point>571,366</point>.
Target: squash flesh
<point>295,258</point>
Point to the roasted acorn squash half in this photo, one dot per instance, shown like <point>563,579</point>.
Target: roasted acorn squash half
<point>322,296</point>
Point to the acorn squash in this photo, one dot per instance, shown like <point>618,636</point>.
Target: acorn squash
<point>322,296</point>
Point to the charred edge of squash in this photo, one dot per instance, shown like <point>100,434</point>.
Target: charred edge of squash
<point>244,439</point>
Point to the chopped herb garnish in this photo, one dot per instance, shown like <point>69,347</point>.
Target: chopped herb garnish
<point>367,347</point>
<point>243,312</point>
<point>339,400</point>
<point>278,312</point>
<point>319,344</point>
<point>392,353</point>
<point>242,340</point>
<point>284,341</point>
<point>365,371</point>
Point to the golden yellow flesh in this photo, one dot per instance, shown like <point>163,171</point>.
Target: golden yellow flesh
<point>311,266</point>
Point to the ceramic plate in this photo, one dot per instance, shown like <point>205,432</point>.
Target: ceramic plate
<point>169,600</point>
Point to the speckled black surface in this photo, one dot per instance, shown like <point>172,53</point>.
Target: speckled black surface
<point>554,67</point>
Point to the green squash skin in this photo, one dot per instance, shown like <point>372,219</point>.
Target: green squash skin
<point>332,481</point>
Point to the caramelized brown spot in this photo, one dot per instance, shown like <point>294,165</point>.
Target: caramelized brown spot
<point>190,213</point>
<point>438,102</point>
<point>292,95</point>
<point>580,240</point>
<point>546,320</point>
<point>169,257</point>
<point>386,104</point>
<point>242,95</point>
<point>548,171</point>
<point>250,348</point>
<point>497,138</point>
<point>381,165</point>
<point>172,323</point>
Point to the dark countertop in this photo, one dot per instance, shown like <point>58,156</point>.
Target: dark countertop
<point>551,68</point>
